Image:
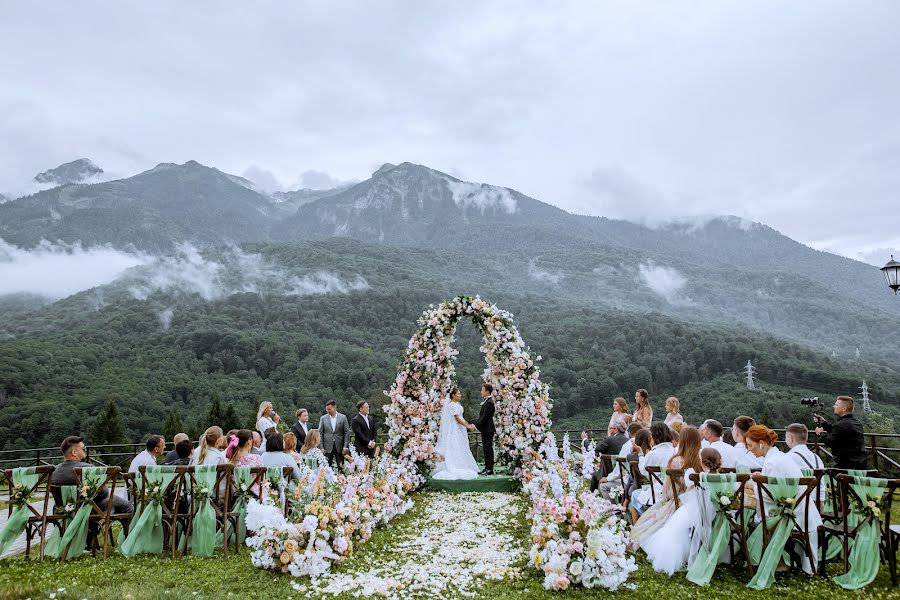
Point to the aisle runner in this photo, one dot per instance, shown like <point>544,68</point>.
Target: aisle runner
<point>459,541</point>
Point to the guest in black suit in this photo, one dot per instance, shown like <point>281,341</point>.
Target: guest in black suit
<point>615,438</point>
<point>301,427</point>
<point>485,424</point>
<point>364,430</point>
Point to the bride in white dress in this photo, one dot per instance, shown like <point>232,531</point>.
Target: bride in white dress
<point>453,442</point>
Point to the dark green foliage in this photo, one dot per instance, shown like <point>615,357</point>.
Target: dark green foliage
<point>172,426</point>
<point>108,428</point>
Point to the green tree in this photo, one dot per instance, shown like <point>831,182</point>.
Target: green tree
<point>216,416</point>
<point>108,427</point>
<point>230,419</point>
<point>172,425</point>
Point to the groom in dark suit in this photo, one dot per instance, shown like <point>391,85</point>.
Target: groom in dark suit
<point>364,430</point>
<point>485,424</point>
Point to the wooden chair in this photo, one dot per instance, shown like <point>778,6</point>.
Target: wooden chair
<point>221,498</point>
<point>737,520</point>
<point>656,478</point>
<point>799,532</point>
<point>844,532</point>
<point>124,518</point>
<point>257,481</point>
<point>99,515</point>
<point>832,487</point>
<point>607,461</point>
<point>37,522</point>
<point>174,508</point>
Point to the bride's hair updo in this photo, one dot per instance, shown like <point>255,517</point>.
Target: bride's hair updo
<point>453,391</point>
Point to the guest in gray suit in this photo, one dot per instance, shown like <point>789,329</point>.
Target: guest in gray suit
<point>335,432</point>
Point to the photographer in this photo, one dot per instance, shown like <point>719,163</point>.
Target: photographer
<point>845,437</point>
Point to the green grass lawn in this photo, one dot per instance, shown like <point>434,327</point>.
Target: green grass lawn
<point>152,577</point>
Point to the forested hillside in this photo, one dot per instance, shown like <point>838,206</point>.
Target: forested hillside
<point>67,360</point>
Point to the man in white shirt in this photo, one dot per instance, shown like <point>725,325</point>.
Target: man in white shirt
<point>796,435</point>
<point>257,444</point>
<point>156,445</point>
<point>712,431</point>
<point>743,459</point>
<point>660,453</point>
<point>335,433</point>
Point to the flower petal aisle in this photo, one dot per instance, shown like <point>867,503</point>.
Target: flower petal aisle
<point>449,549</point>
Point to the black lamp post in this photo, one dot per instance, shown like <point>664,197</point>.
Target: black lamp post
<point>892,273</point>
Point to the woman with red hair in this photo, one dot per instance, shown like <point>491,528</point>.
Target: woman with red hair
<point>760,441</point>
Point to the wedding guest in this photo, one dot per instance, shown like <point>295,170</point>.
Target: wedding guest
<point>796,435</point>
<point>335,432</point>
<point>183,451</point>
<point>239,451</point>
<point>711,459</point>
<point>257,443</point>
<point>364,430</point>
<point>674,438</point>
<point>172,455</point>
<point>266,419</point>
<point>585,440</point>
<point>712,432</point>
<point>760,441</point>
<point>313,441</point>
<point>207,452</point>
<point>677,426</point>
<point>275,456</point>
<point>618,477</point>
<point>290,446</point>
<point>640,448</point>
<point>743,459</point>
<point>620,411</point>
<point>74,452</point>
<point>659,455</point>
<point>663,531</point>
<point>616,436</point>
<point>301,427</point>
<point>672,414</point>
<point>643,414</point>
<point>156,445</point>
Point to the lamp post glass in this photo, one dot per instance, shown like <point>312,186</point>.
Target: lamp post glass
<point>892,273</point>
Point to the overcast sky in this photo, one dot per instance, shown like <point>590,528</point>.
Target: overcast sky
<point>782,112</point>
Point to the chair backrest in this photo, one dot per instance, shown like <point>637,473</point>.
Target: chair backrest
<point>736,518</point>
<point>893,487</point>
<point>222,487</point>
<point>832,485</point>
<point>110,477</point>
<point>636,476</point>
<point>41,489</point>
<point>846,496</point>
<point>607,460</point>
<point>658,477</point>
<point>173,491</point>
<point>802,500</point>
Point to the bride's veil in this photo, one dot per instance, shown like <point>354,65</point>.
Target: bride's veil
<point>446,421</point>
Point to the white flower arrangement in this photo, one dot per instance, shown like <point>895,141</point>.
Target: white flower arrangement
<point>578,538</point>
<point>330,512</point>
<point>522,402</point>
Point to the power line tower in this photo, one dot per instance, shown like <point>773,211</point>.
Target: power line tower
<point>867,407</point>
<point>833,354</point>
<point>857,352</point>
<point>750,371</point>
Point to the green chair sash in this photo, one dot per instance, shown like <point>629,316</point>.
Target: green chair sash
<point>780,489</point>
<point>865,556</point>
<point>15,525</point>
<point>717,485</point>
<point>74,539</point>
<point>243,477</point>
<point>146,534</point>
<point>203,529</point>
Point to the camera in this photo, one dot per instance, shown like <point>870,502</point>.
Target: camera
<point>813,402</point>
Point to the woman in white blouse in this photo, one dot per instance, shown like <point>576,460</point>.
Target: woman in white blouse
<point>760,441</point>
<point>620,412</point>
<point>266,419</point>
<point>672,408</point>
<point>208,452</point>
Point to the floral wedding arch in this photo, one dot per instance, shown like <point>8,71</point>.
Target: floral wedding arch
<point>522,402</point>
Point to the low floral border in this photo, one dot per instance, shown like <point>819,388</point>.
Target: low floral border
<point>522,401</point>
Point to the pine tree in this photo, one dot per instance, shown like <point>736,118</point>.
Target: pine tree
<point>230,419</point>
<point>215,415</point>
<point>108,427</point>
<point>172,425</point>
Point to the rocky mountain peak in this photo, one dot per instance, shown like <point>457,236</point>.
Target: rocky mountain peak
<point>77,171</point>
